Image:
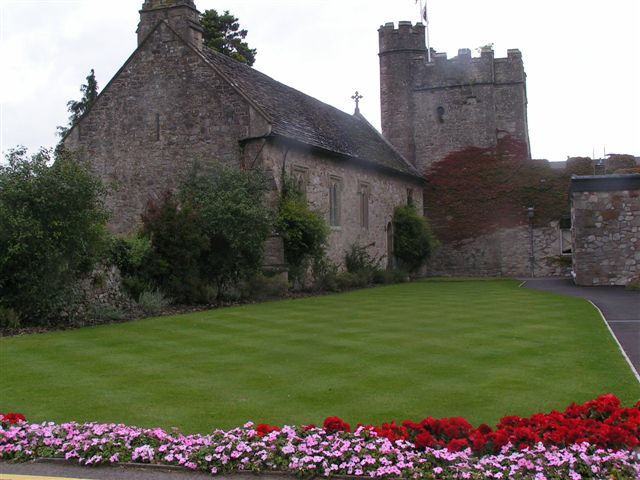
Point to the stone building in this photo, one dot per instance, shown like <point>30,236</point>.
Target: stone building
<point>432,105</point>
<point>605,215</point>
<point>175,101</point>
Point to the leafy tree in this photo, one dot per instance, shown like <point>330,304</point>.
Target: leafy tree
<point>77,108</point>
<point>412,238</point>
<point>223,34</point>
<point>52,229</point>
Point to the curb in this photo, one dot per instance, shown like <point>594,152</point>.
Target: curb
<point>624,354</point>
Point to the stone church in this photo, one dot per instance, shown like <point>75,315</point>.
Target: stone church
<point>175,101</point>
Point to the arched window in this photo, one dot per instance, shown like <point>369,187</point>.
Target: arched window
<point>440,112</point>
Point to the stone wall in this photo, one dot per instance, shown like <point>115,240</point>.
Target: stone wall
<point>148,126</point>
<point>504,253</point>
<point>317,170</point>
<point>605,214</point>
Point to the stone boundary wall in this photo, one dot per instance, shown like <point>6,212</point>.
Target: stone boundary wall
<point>605,215</point>
<point>504,253</point>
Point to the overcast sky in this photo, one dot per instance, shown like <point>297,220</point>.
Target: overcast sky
<point>582,58</point>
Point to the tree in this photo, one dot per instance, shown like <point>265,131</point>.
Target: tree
<point>222,33</point>
<point>52,230</point>
<point>77,108</point>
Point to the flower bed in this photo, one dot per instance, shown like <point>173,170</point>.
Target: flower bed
<point>596,440</point>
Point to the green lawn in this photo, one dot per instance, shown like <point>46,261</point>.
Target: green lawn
<point>479,349</point>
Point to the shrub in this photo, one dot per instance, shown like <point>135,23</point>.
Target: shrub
<point>358,261</point>
<point>211,233</point>
<point>303,231</point>
<point>412,238</point>
<point>133,257</point>
<point>52,231</point>
<point>152,302</point>
<point>325,275</point>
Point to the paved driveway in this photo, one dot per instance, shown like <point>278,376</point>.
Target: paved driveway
<point>620,307</point>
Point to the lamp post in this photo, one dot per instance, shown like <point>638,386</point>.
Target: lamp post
<point>530,214</point>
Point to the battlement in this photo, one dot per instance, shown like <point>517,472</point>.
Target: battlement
<point>407,37</point>
<point>464,68</point>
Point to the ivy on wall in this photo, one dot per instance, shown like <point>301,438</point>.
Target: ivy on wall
<point>475,191</point>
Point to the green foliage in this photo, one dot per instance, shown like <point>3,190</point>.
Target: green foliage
<point>52,230</point>
<point>412,238</point>
<point>152,302</point>
<point>357,259</point>
<point>230,208</point>
<point>178,243</point>
<point>211,234</point>
<point>77,108</point>
<point>223,34</point>
<point>133,257</point>
<point>303,231</point>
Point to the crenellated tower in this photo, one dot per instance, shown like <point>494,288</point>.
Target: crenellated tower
<point>432,108</point>
<point>182,15</point>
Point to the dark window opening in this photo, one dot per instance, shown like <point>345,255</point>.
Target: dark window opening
<point>440,112</point>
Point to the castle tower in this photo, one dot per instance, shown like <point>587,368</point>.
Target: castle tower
<point>430,109</point>
<point>182,15</point>
<point>400,50</point>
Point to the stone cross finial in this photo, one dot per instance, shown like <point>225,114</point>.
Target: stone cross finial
<point>357,97</point>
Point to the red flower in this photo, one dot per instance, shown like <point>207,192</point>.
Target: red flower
<point>424,440</point>
<point>336,424</point>
<point>457,444</point>
<point>264,429</point>
<point>12,418</point>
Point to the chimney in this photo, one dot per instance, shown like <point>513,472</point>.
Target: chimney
<point>182,15</point>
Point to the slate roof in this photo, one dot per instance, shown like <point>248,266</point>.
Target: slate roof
<point>299,117</point>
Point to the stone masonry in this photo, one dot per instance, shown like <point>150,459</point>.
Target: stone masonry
<point>504,253</point>
<point>605,214</point>
<point>432,108</point>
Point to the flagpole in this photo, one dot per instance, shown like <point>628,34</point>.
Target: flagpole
<point>426,20</point>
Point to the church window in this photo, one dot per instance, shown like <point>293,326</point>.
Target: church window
<point>409,196</point>
<point>157,126</point>
<point>440,112</point>
<point>363,193</point>
<point>335,187</point>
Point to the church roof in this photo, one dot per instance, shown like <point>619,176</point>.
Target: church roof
<point>297,116</point>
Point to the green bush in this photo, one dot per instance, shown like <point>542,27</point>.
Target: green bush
<point>178,245</point>
<point>412,238</point>
<point>52,231</point>
<point>133,257</point>
<point>303,231</point>
<point>210,235</point>
<point>325,275</point>
<point>357,260</point>
<point>152,302</point>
